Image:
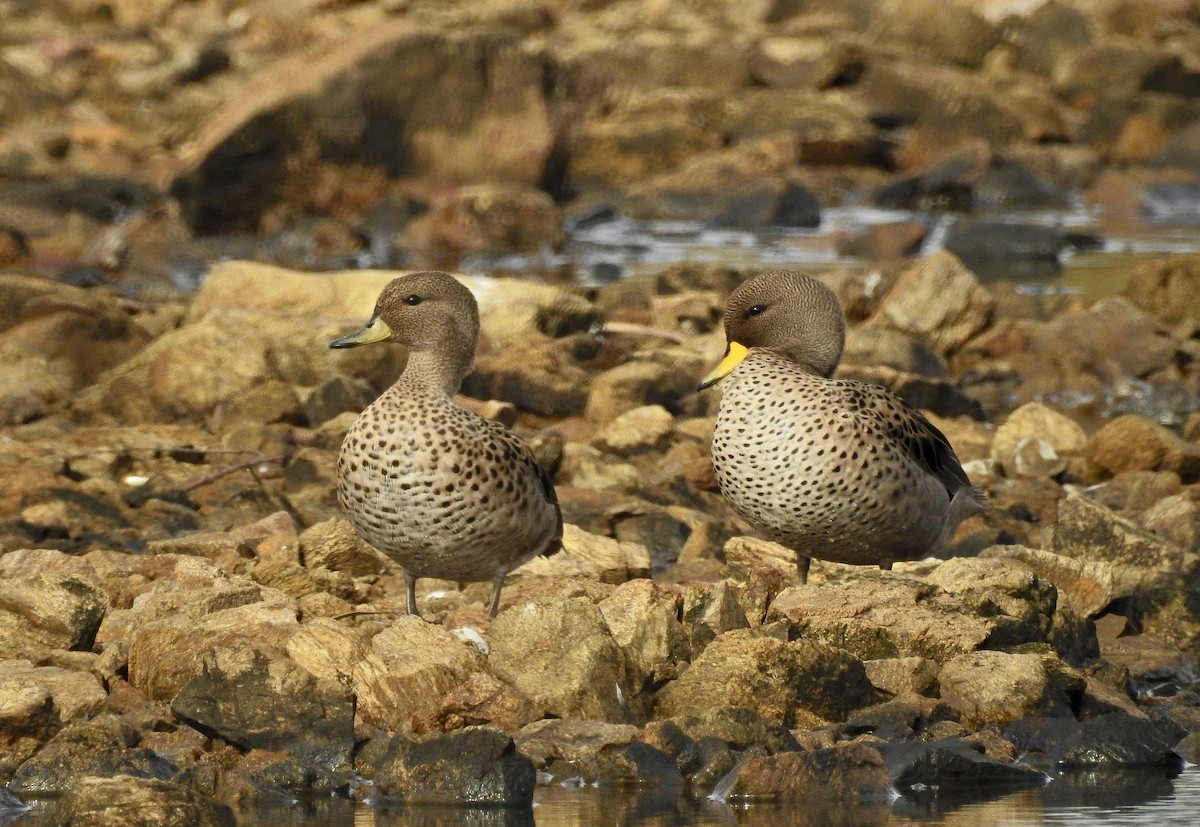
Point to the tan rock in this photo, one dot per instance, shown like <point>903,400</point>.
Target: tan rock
<point>643,618</point>
<point>48,611</point>
<point>849,772</point>
<point>745,553</point>
<point>711,611</point>
<point>1084,586</point>
<point>485,700</point>
<point>589,555</point>
<point>335,545</point>
<point>561,655</point>
<point>1136,443</point>
<point>898,676</point>
<point>641,429</point>
<point>785,682</point>
<point>998,688</point>
<point>75,694</point>
<point>1043,427</point>
<point>412,666</point>
<point>939,301</point>
<point>329,649</point>
<point>125,799</point>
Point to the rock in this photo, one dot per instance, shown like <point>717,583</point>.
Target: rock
<point>1083,585</point>
<point>939,281</point>
<point>1167,288</point>
<point>799,62</point>
<point>1175,519</point>
<point>643,618</point>
<point>739,727</point>
<point>1115,740</point>
<point>411,668</point>
<point>573,751</point>
<point>1021,602</point>
<point>335,545</point>
<point>539,377</point>
<point>999,688</point>
<point>138,802</point>
<point>469,767</point>
<point>1111,339</point>
<point>1042,37</point>
<point>951,764</point>
<point>744,554</point>
<point>328,649</point>
<point>48,611</point>
<point>1035,424</point>
<point>28,718</point>
<point>997,249</point>
<point>589,555</point>
<point>709,612</point>
<point>802,681</point>
<point>827,129</point>
<point>876,615</point>
<point>488,218</point>
<point>901,718</point>
<point>898,676</point>
<point>74,695</point>
<point>102,748</point>
<point>257,702</point>
<point>895,349</point>
<point>951,33</point>
<point>636,384</point>
<point>504,128</point>
<point>640,429</point>
<point>485,700</point>
<point>1135,443</point>
<point>10,804</point>
<point>561,655</point>
<point>844,772</point>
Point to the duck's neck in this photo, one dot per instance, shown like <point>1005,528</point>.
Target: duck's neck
<point>432,373</point>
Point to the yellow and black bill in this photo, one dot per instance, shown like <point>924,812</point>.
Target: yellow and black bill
<point>376,330</point>
<point>734,354</point>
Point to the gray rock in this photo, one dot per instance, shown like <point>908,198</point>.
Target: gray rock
<point>739,727</point>
<point>472,766</point>
<point>258,702</point>
<point>952,764</point>
<point>137,802</point>
<point>1111,741</point>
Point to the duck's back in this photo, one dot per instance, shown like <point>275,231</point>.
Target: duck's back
<point>831,468</point>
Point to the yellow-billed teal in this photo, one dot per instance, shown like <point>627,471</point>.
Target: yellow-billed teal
<point>442,491</point>
<point>834,469</point>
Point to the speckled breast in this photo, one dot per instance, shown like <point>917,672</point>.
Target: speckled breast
<point>443,492</point>
<point>812,472</point>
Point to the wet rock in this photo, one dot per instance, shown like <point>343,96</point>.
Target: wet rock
<point>52,611</point>
<point>572,751</point>
<point>561,655</point>
<point>998,688</point>
<point>412,666</point>
<point>901,718</point>
<point>257,702</point>
<point>845,772</point>
<point>997,248</point>
<point>798,682</point>
<point>1110,741</point>
<point>103,748</point>
<point>10,805</point>
<point>1135,443</point>
<point>28,718</point>
<point>951,764</point>
<point>138,802</point>
<point>940,280</point>
<point>1034,435</point>
<point>472,766</point>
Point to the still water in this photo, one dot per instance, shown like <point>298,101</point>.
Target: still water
<point>1138,798</point>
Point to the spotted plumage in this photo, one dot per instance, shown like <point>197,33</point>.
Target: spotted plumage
<point>834,469</point>
<point>444,492</point>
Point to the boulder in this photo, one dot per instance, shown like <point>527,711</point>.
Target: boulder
<point>797,683</point>
<point>53,611</point>
<point>584,554</point>
<point>328,649</point>
<point>1167,288</point>
<point>947,32</point>
<point>847,772</point>
<point>475,766</point>
<point>643,618</point>
<point>998,688</point>
<point>138,802</point>
<point>561,655</point>
<point>256,701</point>
<point>941,281</point>
<point>952,764</point>
<point>412,666</point>
<point>1136,443</point>
<point>573,751</point>
<point>1036,431</point>
<point>485,700</point>
<point>1112,741</point>
<point>102,748</point>
<point>637,430</point>
<point>73,694</point>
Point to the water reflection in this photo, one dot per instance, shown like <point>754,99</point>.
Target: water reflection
<point>1149,798</point>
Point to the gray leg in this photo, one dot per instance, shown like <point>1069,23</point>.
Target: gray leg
<point>410,588</point>
<point>495,604</point>
<point>802,564</point>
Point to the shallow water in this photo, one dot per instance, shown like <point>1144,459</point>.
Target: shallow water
<point>1150,798</point>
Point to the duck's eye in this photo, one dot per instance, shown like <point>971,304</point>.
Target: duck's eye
<point>412,299</point>
<point>756,310</point>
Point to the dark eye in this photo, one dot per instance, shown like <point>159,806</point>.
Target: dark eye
<point>757,309</point>
<point>412,299</point>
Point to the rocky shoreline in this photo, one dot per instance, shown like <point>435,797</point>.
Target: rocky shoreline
<point>189,625</point>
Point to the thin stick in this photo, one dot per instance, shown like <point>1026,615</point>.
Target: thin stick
<point>248,465</point>
<point>644,330</point>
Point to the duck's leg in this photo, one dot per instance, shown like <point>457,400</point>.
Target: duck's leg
<point>497,584</point>
<point>802,565</point>
<point>410,589</point>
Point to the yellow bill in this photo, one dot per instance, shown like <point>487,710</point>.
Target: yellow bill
<point>376,330</point>
<point>734,354</point>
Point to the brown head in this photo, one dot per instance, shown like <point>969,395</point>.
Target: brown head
<point>434,316</point>
<point>790,313</point>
